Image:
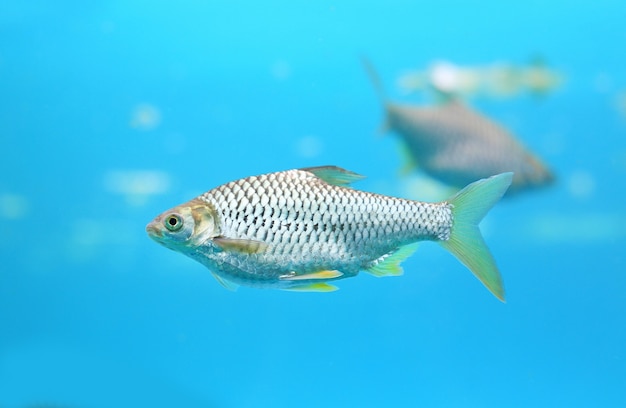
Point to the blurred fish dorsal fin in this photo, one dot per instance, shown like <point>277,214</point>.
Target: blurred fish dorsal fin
<point>389,264</point>
<point>386,126</point>
<point>444,99</point>
<point>334,175</point>
<point>246,246</point>
<point>375,79</point>
<point>224,282</point>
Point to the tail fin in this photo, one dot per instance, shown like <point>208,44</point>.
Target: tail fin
<point>466,243</point>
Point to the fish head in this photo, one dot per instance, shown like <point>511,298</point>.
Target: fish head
<point>185,227</point>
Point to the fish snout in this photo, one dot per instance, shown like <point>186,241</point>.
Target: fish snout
<point>153,229</point>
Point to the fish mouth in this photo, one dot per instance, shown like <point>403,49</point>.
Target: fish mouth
<point>154,231</point>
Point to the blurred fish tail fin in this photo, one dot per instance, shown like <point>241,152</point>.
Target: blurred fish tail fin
<point>466,243</point>
<point>538,173</point>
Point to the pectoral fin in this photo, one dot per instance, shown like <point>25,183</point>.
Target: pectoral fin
<point>315,275</point>
<point>245,246</point>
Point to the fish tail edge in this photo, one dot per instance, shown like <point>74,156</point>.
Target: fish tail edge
<point>469,206</point>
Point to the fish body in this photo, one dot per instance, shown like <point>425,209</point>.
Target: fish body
<point>456,145</point>
<point>300,229</point>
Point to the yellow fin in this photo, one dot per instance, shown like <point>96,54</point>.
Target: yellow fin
<point>225,282</point>
<point>466,243</point>
<point>389,264</point>
<point>408,161</point>
<point>246,246</point>
<point>314,275</point>
<point>313,287</point>
<point>334,175</point>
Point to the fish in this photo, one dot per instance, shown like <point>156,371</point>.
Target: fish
<point>302,229</point>
<point>456,145</point>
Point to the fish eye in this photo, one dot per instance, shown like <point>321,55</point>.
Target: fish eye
<point>173,222</point>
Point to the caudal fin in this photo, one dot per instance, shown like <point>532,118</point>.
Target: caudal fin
<point>466,243</point>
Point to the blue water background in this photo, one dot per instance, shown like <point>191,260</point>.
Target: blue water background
<point>94,314</point>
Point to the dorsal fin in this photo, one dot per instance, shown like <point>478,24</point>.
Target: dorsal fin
<point>334,175</point>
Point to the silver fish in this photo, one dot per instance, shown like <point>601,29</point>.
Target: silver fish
<point>457,145</point>
<point>299,229</point>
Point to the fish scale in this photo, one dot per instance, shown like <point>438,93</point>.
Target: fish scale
<point>299,229</point>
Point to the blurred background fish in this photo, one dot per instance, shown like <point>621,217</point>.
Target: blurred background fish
<point>456,145</point>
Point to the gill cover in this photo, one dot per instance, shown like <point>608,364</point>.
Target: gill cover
<point>204,220</point>
<point>186,226</point>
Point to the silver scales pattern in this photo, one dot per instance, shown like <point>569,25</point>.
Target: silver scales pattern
<point>309,224</point>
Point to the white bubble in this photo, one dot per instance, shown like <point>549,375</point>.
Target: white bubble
<point>576,228</point>
<point>620,103</point>
<point>108,27</point>
<point>554,143</point>
<point>602,83</point>
<point>281,70</point>
<point>145,117</point>
<point>87,237</point>
<point>309,146</point>
<point>424,188</point>
<point>445,77</point>
<point>136,185</point>
<point>620,160</point>
<point>87,232</point>
<point>451,79</point>
<point>13,206</point>
<point>581,184</point>
<point>175,143</point>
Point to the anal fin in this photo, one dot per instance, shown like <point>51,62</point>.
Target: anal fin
<point>389,264</point>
